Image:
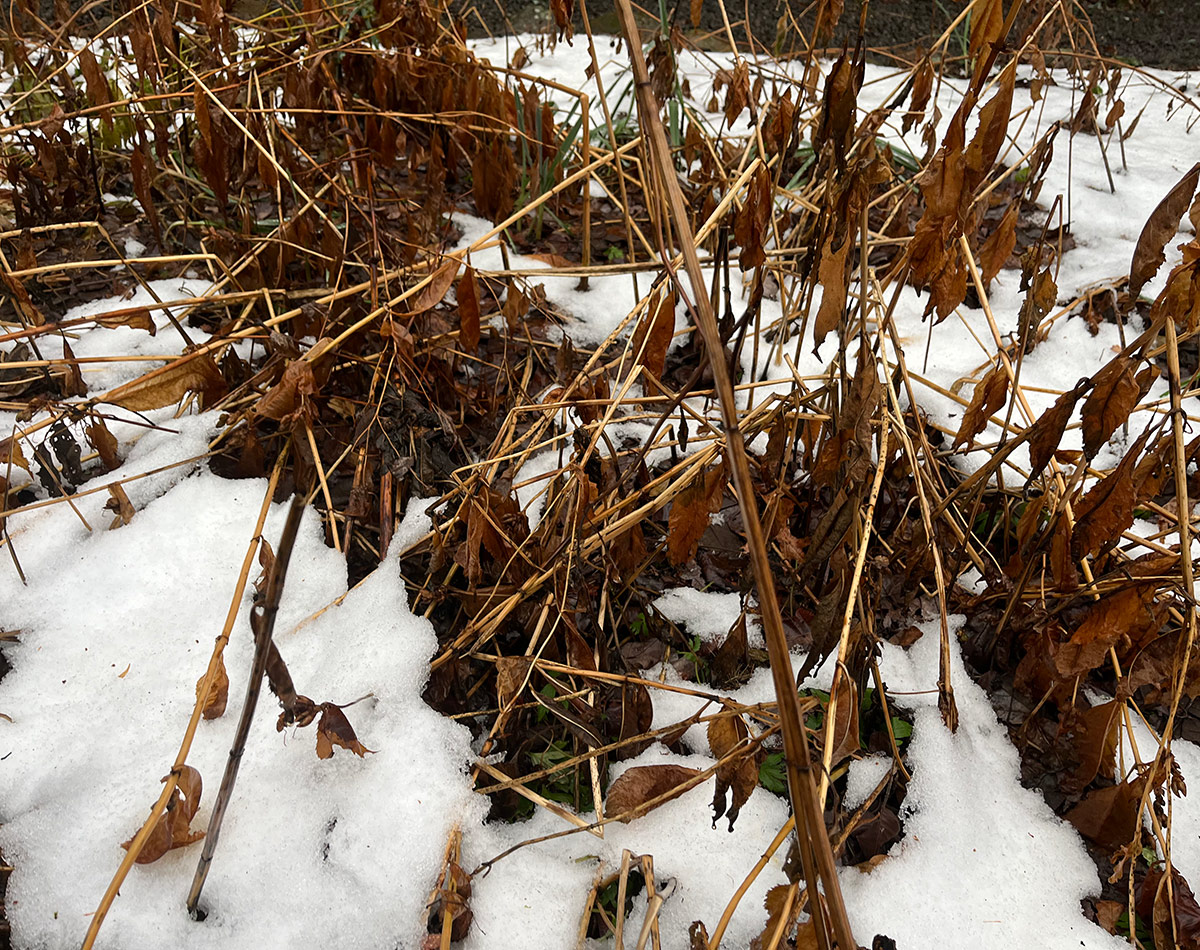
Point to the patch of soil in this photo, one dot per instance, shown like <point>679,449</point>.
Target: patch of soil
<point>1142,32</point>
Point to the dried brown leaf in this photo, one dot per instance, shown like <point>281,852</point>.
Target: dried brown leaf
<point>468,311</point>
<point>439,284</point>
<point>688,519</point>
<point>629,796</point>
<point>335,729</point>
<point>1114,395</point>
<point>218,692</point>
<point>195,372</point>
<point>1161,226</point>
<point>654,331</point>
<point>988,398</point>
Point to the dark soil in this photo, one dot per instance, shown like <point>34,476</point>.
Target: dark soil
<point>1142,32</point>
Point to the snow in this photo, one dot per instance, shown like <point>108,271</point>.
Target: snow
<point>983,862</point>
<point>116,627</point>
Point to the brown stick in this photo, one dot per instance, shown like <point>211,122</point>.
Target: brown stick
<point>263,622</point>
<point>815,852</point>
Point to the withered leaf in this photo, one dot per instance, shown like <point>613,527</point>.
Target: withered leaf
<point>739,774</point>
<point>510,677</point>
<point>1113,397</point>
<point>689,513</point>
<point>334,728</point>
<point>1102,628</point>
<point>654,331</point>
<point>999,244</point>
<point>988,398</point>
<point>987,27</point>
<point>173,828</point>
<point>1108,816</point>
<point>103,441</point>
<point>286,396</point>
<point>164,387</point>
<point>751,224</point>
<point>1107,509</point>
<point>97,84</point>
<point>1048,431</point>
<point>832,274</point>
<point>845,724</point>
<point>1161,226</point>
<point>142,171</point>
<point>433,292</point>
<point>218,691</point>
<point>136,318</point>
<point>1171,919</point>
<point>732,656</point>
<point>120,505</point>
<point>1093,735</point>
<point>468,311</point>
<point>630,794</point>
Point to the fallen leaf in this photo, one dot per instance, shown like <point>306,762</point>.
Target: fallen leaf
<point>195,372</point>
<point>632,791</point>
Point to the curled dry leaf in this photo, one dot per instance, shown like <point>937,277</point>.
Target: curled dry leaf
<point>1125,613</point>
<point>453,897</point>
<point>629,796</point>
<point>173,828</point>
<point>988,399</point>
<point>510,677</point>
<point>739,774</point>
<point>218,691</point>
<point>335,729</point>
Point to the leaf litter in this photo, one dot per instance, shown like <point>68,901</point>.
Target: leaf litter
<point>524,550</point>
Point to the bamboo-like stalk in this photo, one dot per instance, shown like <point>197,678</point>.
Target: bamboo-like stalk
<point>815,851</point>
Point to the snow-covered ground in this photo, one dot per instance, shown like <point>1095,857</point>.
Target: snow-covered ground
<point>117,626</point>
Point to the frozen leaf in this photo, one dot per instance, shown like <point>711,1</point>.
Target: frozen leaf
<point>1113,397</point>
<point>164,387</point>
<point>629,796</point>
<point>335,729</point>
<point>654,331</point>
<point>739,775</point>
<point>988,399</point>
<point>690,511</point>
<point>218,692</point>
<point>1160,228</point>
